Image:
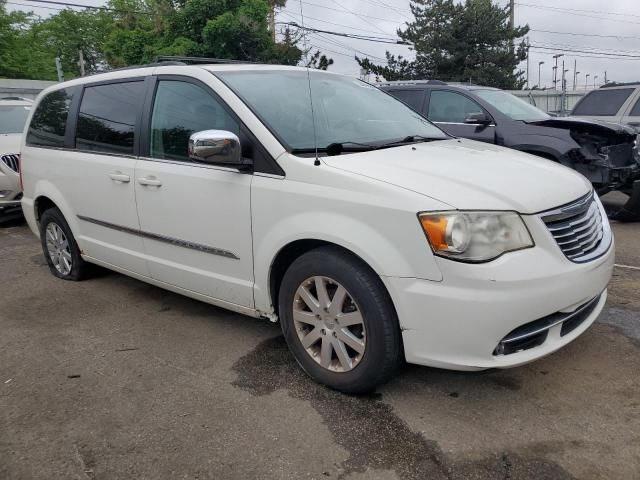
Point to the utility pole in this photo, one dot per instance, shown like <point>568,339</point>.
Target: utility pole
<point>605,77</point>
<point>512,13</point>
<point>81,62</point>
<point>272,20</point>
<point>528,47</point>
<point>555,70</point>
<point>59,70</point>
<point>575,73</point>
<point>539,65</point>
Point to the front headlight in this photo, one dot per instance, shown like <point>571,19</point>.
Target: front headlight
<point>475,236</point>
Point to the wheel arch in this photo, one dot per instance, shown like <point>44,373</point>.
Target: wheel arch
<point>294,250</point>
<point>48,196</point>
<point>42,204</point>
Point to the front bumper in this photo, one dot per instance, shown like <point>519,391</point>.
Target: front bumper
<point>10,193</point>
<point>459,322</point>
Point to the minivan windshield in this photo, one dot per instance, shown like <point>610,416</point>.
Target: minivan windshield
<point>346,111</point>
<point>13,118</point>
<point>512,106</point>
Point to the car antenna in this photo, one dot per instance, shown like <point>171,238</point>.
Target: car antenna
<point>316,161</point>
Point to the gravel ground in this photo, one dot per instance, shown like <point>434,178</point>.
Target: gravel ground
<point>115,379</point>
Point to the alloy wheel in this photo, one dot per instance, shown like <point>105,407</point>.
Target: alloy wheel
<point>58,248</point>
<point>329,324</point>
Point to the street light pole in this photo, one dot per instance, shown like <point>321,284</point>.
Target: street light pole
<point>586,79</point>
<point>539,65</point>
<point>575,80</point>
<point>595,78</point>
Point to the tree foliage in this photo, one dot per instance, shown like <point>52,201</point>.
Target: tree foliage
<point>470,41</point>
<point>133,32</point>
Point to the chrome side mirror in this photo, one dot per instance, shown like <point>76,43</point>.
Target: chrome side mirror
<point>215,146</point>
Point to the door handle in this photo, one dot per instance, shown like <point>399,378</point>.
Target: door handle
<point>149,181</point>
<point>119,177</point>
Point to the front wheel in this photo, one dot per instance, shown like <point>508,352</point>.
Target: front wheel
<point>339,322</point>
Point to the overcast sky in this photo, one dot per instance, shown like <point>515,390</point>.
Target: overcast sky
<point>612,26</point>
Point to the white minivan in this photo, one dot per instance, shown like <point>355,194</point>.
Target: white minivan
<point>320,201</point>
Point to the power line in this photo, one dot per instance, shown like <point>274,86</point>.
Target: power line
<point>585,34</point>
<point>57,9</point>
<point>348,35</point>
<point>79,5</point>
<point>292,15</point>
<point>581,10</point>
<point>602,54</point>
<point>569,12</point>
<point>348,47</point>
<point>353,13</point>
<point>348,10</point>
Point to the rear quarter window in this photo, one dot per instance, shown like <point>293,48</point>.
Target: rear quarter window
<point>604,103</point>
<point>49,121</point>
<point>107,117</point>
<point>411,98</point>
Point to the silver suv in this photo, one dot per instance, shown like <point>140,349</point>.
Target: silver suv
<point>13,115</point>
<point>614,102</point>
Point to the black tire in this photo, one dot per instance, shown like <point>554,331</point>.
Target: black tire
<point>79,268</point>
<point>383,347</point>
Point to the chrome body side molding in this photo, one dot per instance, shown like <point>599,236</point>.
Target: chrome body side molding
<point>162,238</point>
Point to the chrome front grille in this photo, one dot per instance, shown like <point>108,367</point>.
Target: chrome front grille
<point>11,161</point>
<point>580,229</point>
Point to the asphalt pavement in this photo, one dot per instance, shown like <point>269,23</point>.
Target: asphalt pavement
<point>112,378</point>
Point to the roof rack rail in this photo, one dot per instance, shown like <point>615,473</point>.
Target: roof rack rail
<point>413,82</point>
<point>194,60</point>
<point>619,84</point>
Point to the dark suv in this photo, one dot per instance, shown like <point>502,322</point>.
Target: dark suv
<point>604,152</point>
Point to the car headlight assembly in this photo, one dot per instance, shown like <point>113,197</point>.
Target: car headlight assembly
<point>474,237</point>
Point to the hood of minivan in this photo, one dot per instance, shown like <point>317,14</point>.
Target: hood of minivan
<point>10,143</point>
<point>470,175</point>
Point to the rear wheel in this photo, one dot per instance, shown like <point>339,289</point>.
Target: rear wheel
<point>60,248</point>
<point>339,322</point>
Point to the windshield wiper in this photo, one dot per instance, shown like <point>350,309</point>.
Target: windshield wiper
<point>412,139</point>
<point>338,148</point>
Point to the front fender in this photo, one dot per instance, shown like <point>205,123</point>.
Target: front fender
<point>384,235</point>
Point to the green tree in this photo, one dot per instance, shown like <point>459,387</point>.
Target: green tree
<point>470,41</point>
<point>319,61</point>
<point>133,32</point>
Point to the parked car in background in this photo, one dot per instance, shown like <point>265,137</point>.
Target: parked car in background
<point>370,234</point>
<point>614,102</point>
<point>604,152</point>
<point>13,115</point>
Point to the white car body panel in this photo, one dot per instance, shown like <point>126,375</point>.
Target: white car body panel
<point>222,197</point>
<point>451,314</point>
<point>471,175</point>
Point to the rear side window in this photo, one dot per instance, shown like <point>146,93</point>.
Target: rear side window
<point>604,103</point>
<point>411,98</point>
<point>451,107</point>
<point>107,118</point>
<point>181,109</point>
<point>50,120</point>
